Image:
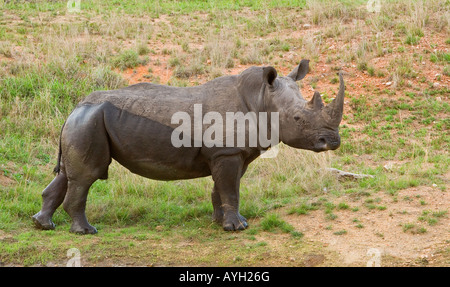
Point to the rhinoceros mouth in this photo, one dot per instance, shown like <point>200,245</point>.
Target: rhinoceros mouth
<point>321,148</point>
<point>333,145</point>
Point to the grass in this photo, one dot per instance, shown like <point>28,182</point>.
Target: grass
<point>340,232</point>
<point>413,228</point>
<point>303,208</point>
<point>272,222</point>
<point>47,65</point>
<point>128,59</point>
<point>154,9</point>
<point>432,218</point>
<point>440,57</point>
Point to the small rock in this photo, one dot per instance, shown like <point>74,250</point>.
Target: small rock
<point>439,99</point>
<point>306,25</point>
<point>423,260</point>
<point>347,175</point>
<point>434,185</point>
<point>388,83</point>
<point>436,85</point>
<point>388,166</point>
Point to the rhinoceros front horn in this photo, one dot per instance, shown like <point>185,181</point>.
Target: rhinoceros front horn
<point>335,109</point>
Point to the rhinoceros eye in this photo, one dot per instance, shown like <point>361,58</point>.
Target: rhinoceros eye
<point>301,121</point>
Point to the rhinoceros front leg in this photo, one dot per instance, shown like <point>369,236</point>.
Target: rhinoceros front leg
<point>217,206</point>
<point>226,172</point>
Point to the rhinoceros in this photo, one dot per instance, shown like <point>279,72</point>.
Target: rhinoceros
<point>134,126</point>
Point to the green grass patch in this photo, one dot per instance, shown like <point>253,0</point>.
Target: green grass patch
<point>127,59</point>
<point>272,223</point>
<point>303,208</point>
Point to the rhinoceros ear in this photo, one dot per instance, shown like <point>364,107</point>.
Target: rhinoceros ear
<point>269,75</point>
<point>300,71</point>
<point>316,102</point>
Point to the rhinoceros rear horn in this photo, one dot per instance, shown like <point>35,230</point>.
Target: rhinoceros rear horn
<point>316,102</point>
<point>335,109</point>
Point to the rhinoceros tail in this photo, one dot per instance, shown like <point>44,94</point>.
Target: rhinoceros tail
<point>57,168</point>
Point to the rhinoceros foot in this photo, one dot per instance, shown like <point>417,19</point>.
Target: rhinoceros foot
<point>85,229</point>
<point>234,221</point>
<point>43,222</point>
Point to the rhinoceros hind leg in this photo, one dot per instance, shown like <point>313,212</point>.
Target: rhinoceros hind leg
<point>75,205</point>
<point>52,197</point>
<point>44,223</point>
<point>86,158</point>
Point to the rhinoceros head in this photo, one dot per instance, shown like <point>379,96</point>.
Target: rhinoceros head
<point>304,124</point>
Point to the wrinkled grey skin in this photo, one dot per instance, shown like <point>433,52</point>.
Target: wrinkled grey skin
<point>133,126</point>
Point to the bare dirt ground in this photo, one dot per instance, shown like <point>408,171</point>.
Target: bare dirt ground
<point>380,233</point>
